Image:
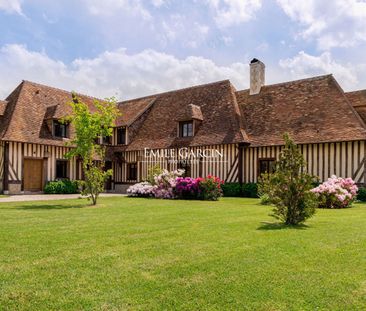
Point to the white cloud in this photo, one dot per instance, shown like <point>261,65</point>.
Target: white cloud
<point>174,29</point>
<point>113,7</point>
<point>304,65</point>
<point>336,23</point>
<point>157,3</point>
<point>11,6</point>
<point>114,73</point>
<point>234,12</point>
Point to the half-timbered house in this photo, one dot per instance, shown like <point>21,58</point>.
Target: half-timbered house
<point>206,129</point>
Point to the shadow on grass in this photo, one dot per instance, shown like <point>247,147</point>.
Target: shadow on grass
<point>50,206</point>
<point>280,226</point>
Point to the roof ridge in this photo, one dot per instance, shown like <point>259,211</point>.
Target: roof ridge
<point>61,90</point>
<point>293,81</point>
<point>357,91</point>
<point>173,91</point>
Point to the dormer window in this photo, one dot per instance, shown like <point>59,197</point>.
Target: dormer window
<point>60,129</point>
<point>121,136</point>
<point>186,129</point>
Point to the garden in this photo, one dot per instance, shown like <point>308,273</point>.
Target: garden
<point>293,192</point>
<point>181,243</point>
<point>149,254</point>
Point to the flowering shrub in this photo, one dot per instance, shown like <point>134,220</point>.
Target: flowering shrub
<point>142,189</point>
<point>210,187</point>
<point>170,185</point>
<point>336,192</point>
<point>187,188</point>
<point>165,184</point>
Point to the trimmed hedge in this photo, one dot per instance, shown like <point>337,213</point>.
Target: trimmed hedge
<point>361,194</point>
<point>248,190</point>
<point>62,186</point>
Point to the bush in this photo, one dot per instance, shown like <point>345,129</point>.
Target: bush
<point>152,172</point>
<point>62,186</point>
<point>187,188</point>
<point>170,185</point>
<point>143,189</point>
<point>165,184</point>
<point>265,199</point>
<point>289,187</point>
<point>250,190</point>
<point>210,188</point>
<point>231,189</point>
<point>336,192</point>
<point>361,194</point>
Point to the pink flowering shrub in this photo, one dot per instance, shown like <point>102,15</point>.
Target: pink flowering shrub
<point>165,184</point>
<point>187,188</point>
<point>336,192</point>
<point>170,185</point>
<point>142,189</point>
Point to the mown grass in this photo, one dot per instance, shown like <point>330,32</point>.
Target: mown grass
<point>141,254</point>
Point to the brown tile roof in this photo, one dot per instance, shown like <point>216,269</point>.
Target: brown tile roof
<point>132,109</point>
<point>191,112</point>
<point>3,104</point>
<point>358,101</point>
<point>220,124</point>
<point>311,110</point>
<point>30,105</point>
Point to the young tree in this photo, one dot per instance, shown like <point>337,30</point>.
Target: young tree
<point>290,187</point>
<point>90,125</point>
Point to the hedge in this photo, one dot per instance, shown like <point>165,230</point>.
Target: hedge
<point>62,186</point>
<point>247,190</point>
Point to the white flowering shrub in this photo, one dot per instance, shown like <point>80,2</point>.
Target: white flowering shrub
<point>142,189</point>
<point>336,192</point>
<point>165,184</point>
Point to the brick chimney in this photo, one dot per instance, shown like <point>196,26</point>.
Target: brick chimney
<point>257,76</point>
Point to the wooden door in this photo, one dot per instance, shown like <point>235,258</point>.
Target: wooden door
<point>33,175</point>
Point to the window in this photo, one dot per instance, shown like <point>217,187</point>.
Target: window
<point>107,140</point>
<point>186,129</point>
<point>61,169</point>
<point>59,129</point>
<point>266,166</point>
<point>132,171</point>
<point>121,136</point>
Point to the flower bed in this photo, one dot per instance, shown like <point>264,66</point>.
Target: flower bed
<point>170,185</point>
<point>336,192</point>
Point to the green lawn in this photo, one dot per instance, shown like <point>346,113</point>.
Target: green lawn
<point>141,254</point>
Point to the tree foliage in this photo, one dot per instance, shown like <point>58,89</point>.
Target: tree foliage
<point>90,124</point>
<point>289,186</point>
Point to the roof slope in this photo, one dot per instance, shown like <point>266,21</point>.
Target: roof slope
<point>30,105</point>
<point>310,110</point>
<point>358,101</point>
<point>132,109</point>
<point>3,105</point>
<point>220,118</point>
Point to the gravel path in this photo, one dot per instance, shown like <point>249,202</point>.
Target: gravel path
<point>49,197</point>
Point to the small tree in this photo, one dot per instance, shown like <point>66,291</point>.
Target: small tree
<point>290,186</point>
<point>90,126</point>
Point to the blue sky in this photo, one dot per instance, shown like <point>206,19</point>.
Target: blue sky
<point>131,48</point>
